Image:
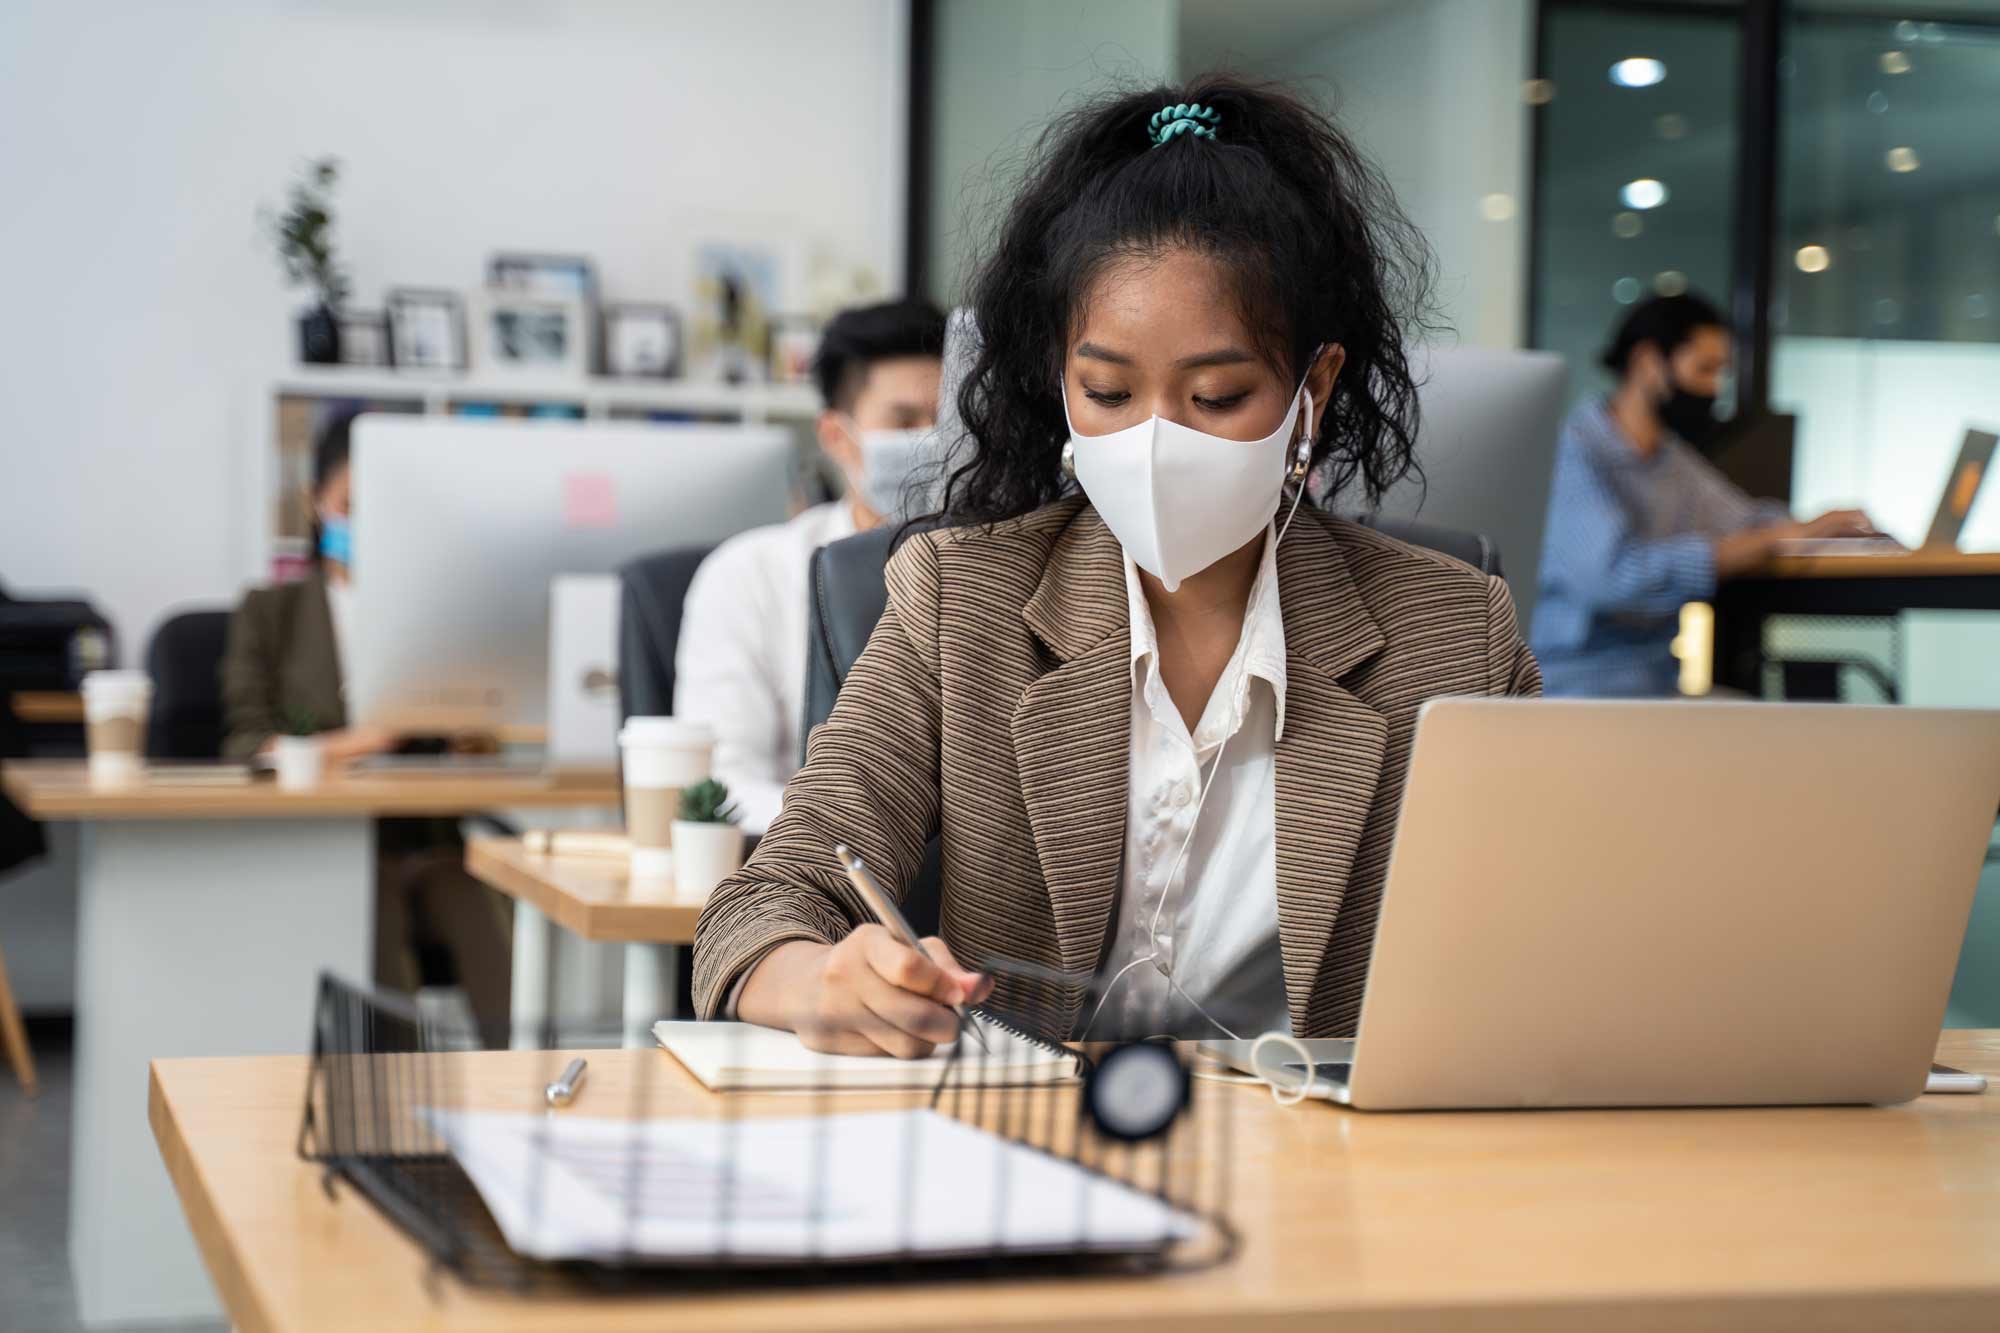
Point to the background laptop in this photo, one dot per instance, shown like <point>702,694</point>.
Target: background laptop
<point>1961,488</point>
<point>1663,904</point>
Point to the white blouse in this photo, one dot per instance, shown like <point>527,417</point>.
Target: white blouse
<point>1214,928</point>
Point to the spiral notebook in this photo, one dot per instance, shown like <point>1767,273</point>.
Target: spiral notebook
<point>737,1057</point>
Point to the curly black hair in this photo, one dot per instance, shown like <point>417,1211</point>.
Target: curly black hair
<point>1315,246</point>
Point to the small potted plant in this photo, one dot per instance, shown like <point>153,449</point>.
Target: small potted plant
<point>708,842</point>
<point>304,237</point>
<point>299,752</point>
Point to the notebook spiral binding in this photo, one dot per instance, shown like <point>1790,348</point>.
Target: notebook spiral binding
<point>382,1071</point>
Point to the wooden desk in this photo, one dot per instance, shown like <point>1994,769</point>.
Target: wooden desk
<point>591,896</point>
<point>1842,585</point>
<point>48,707</point>
<point>1824,1218</point>
<point>595,898</point>
<point>61,789</point>
<point>204,913</point>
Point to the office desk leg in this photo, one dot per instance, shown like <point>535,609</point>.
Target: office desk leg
<point>651,978</point>
<point>194,938</point>
<point>533,986</point>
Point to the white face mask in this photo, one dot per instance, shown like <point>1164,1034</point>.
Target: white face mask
<point>1177,499</point>
<point>889,461</point>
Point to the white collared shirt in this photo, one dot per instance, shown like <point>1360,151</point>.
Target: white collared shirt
<point>741,662</point>
<point>1218,930</point>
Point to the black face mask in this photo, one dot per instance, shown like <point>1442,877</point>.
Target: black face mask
<point>1691,416</point>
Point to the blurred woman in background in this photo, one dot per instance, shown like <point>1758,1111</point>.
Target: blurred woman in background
<point>434,923</point>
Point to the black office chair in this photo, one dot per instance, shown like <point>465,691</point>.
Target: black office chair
<point>1471,547</point>
<point>847,596</point>
<point>652,591</point>
<point>185,661</point>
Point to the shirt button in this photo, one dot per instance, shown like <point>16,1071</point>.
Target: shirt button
<point>1180,796</point>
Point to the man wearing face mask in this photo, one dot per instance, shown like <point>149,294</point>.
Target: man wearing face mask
<point>741,662</point>
<point>1639,521</point>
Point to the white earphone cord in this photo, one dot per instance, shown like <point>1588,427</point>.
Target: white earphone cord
<point>1215,767</point>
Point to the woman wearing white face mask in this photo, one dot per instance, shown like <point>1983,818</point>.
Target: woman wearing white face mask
<point>1160,726</point>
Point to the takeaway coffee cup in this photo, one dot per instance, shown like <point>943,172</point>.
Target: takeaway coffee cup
<point>661,756</point>
<point>115,704</point>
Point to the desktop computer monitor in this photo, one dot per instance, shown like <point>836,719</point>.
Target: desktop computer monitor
<point>1487,446</point>
<point>459,526</point>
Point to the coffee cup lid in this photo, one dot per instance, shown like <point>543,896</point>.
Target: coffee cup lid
<point>665,731</point>
<point>117,682</point>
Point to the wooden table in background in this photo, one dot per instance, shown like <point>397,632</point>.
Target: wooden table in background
<point>1837,1219</point>
<point>48,706</point>
<point>1842,585</point>
<point>595,898</point>
<point>204,914</point>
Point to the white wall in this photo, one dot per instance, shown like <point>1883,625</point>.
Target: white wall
<point>1431,89</point>
<point>1002,68</point>
<point>144,308</point>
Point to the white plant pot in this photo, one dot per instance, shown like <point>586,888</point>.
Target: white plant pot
<point>301,762</point>
<point>704,856</point>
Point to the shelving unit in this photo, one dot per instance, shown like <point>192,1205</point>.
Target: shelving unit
<point>599,396</point>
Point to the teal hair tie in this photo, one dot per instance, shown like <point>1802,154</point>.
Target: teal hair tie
<point>1170,122</point>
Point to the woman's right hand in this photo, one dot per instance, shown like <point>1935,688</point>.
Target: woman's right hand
<point>870,994</point>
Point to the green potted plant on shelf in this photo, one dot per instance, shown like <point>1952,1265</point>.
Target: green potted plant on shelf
<point>708,841</point>
<point>298,751</point>
<point>303,233</point>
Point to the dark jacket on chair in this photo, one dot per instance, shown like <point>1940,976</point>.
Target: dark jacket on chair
<point>282,662</point>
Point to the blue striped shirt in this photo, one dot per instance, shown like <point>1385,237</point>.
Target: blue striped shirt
<point>1629,540</point>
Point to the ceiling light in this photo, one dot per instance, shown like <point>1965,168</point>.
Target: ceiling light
<point>1673,125</point>
<point>1906,31</point>
<point>1812,259</point>
<point>1638,72</point>
<point>1895,62</point>
<point>1538,92</point>
<point>1902,159</point>
<point>1625,291</point>
<point>1671,282</point>
<point>1643,193</point>
<point>1627,225</point>
<point>1878,102</point>
<point>1496,207</point>
<point>1887,311</point>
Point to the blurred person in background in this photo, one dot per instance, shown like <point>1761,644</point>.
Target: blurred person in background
<point>1639,521</point>
<point>740,665</point>
<point>435,925</point>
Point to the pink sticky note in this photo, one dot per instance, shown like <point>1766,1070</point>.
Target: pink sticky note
<point>590,500</point>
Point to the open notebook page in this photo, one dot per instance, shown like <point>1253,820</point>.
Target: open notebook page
<point>730,1057</point>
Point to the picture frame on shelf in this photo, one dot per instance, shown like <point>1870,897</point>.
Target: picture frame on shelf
<point>533,337</point>
<point>426,329</point>
<point>642,340</point>
<point>364,338</point>
<point>562,277</point>
<point>739,286</point>
<point>794,344</point>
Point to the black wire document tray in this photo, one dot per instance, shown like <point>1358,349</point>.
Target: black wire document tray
<point>644,1181</point>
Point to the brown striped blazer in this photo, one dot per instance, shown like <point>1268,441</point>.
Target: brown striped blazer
<point>992,707</point>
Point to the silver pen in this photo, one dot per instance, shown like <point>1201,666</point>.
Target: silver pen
<point>885,910</point>
<point>563,1091</point>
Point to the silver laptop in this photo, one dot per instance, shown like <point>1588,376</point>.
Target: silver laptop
<point>1668,904</point>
